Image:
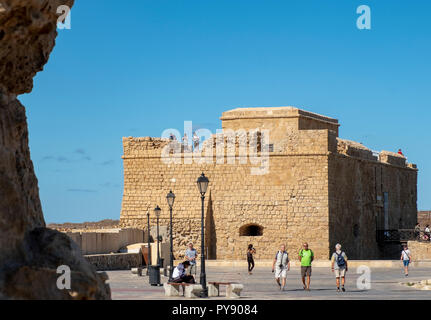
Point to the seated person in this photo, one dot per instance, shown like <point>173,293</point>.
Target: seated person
<point>179,275</point>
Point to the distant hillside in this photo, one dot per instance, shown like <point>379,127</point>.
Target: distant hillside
<point>102,224</point>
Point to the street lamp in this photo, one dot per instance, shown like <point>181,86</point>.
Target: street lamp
<point>170,197</point>
<point>149,245</point>
<point>157,211</point>
<point>202,186</point>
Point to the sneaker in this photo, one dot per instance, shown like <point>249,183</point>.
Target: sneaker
<point>344,290</point>
<point>338,289</point>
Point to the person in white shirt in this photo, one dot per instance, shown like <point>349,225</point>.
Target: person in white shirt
<point>427,233</point>
<point>406,257</point>
<point>179,275</point>
<point>339,266</point>
<point>281,265</point>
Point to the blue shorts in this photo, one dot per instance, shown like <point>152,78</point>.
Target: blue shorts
<point>406,263</point>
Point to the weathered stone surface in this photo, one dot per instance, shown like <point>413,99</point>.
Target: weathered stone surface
<point>27,35</point>
<point>233,290</point>
<point>193,291</point>
<point>35,277</point>
<point>30,253</point>
<point>420,250</point>
<point>115,261</point>
<point>170,290</point>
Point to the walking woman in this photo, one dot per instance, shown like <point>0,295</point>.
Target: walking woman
<point>250,252</point>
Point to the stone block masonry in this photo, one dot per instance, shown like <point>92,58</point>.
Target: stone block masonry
<point>420,250</point>
<point>319,189</point>
<point>115,261</point>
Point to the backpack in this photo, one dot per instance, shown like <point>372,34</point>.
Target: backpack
<point>341,262</point>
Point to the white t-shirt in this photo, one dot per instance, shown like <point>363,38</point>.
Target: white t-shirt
<point>406,254</point>
<point>178,271</point>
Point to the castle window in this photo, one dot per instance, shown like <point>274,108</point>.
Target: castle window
<point>251,230</point>
<point>271,147</point>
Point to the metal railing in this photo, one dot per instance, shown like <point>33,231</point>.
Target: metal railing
<point>400,235</point>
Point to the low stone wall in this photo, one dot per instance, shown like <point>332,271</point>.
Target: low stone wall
<point>106,241</point>
<point>420,250</point>
<point>115,261</point>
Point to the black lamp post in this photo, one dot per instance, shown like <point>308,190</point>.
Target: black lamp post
<point>149,245</point>
<point>171,198</point>
<point>202,186</point>
<point>157,211</point>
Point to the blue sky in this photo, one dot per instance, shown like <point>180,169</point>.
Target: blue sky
<point>135,68</point>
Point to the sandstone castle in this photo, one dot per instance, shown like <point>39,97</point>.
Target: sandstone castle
<point>317,188</point>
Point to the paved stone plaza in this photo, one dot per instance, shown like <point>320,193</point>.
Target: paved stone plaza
<point>261,284</point>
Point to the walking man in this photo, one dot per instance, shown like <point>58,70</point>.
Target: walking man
<point>339,266</point>
<point>306,257</point>
<point>406,257</point>
<point>191,255</point>
<point>281,265</point>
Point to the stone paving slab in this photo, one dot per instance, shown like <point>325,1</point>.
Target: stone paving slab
<point>385,284</point>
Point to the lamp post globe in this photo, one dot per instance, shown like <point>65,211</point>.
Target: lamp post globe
<point>170,197</point>
<point>203,184</point>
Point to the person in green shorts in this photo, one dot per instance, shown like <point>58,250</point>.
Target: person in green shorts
<point>306,257</point>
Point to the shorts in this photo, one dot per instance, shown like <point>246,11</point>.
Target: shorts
<point>406,263</point>
<point>305,271</point>
<point>280,272</point>
<point>340,273</point>
<point>192,269</point>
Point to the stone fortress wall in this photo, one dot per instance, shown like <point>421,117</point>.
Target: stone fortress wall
<point>318,188</point>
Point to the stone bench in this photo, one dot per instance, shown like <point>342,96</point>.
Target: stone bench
<point>233,289</point>
<point>137,271</point>
<point>190,290</point>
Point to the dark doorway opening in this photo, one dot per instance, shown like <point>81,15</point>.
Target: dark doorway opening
<point>251,230</point>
